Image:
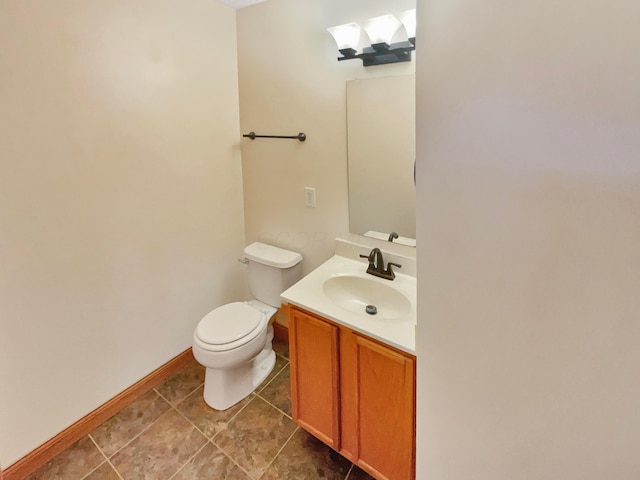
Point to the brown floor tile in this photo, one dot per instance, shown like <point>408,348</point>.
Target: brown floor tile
<point>278,392</point>
<point>359,474</point>
<point>245,438</point>
<point>129,422</point>
<point>307,458</point>
<point>281,347</point>
<point>281,363</point>
<point>180,385</point>
<point>103,472</point>
<point>73,463</point>
<point>159,451</point>
<point>208,420</point>
<point>211,463</point>
<point>255,436</point>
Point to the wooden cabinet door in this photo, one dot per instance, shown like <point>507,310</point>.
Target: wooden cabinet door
<point>315,402</point>
<point>385,404</point>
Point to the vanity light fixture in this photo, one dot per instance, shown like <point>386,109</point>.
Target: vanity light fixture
<point>380,31</point>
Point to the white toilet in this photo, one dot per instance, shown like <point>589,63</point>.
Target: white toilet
<point>234,341</point>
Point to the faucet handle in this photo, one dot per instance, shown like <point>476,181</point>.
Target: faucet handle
<point>369,258</point>
<point>389,271</point>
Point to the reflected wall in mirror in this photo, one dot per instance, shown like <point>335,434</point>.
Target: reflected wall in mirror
<point>381,155</point>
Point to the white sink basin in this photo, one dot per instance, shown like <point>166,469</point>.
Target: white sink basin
<point>354,293</point>
<point>339,290</point>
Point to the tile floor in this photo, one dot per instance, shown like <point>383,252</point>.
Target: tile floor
<point>170,433</point>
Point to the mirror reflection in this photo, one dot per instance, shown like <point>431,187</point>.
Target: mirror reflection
<point>381,154</point>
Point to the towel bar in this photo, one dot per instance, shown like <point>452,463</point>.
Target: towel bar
<point>252,135</point>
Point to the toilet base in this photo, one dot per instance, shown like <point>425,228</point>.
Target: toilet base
<point>224,388</point>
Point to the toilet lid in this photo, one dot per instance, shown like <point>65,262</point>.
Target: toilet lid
<point>228,323</point>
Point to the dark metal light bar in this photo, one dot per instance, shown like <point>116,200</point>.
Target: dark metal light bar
<point>381,53</point>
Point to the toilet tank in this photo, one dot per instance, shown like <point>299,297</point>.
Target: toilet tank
<point>271,271</point>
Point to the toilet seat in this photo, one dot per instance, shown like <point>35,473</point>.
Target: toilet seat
<point>229,326</point>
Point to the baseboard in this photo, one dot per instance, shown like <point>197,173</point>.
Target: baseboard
<point>45,452</point>
<point>280,332</point>
<point>281,323</point>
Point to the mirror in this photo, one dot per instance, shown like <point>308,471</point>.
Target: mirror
<point>381,154</point>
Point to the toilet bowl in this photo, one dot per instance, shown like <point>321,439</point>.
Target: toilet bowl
<point>234,341</point>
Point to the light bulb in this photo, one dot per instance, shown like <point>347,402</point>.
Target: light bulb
<point>381,29</point>
<point>346,36</point>
<point>408,19</point>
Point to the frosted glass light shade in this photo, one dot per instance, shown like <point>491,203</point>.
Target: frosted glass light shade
<point>346,36</point>
<point>408,19</point>
<point>381,29</point>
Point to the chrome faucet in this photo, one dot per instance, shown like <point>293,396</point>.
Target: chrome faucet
<point>376,265</point>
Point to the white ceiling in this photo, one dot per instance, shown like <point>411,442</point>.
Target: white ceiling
<point>240,3</point>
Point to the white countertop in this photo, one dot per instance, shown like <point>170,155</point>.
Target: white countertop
<point>309,294</point>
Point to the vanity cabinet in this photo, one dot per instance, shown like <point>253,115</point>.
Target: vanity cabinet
<point>355,394</point>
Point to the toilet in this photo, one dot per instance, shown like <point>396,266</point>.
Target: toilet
<point>233,341</point>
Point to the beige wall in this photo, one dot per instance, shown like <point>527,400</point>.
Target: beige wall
<point>528,229</point>
<point>121,215</point>
<point>290,82</point>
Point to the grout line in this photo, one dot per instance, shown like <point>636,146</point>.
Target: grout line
<point>171,406</point>
<point>349,472</point>
<point>161,396</point>
<point>234,417</point>
<point>286,364</point>
<point>230,457</point>
<point>91,471</point>
<point>273,378</point>
<point>272,405</point>
<point>189,459</point>
<point>141,431</point>
<point>267,401</point>
<point>115,469</point>
<point>101,453</point>
<point>174,407</point>
<point>181,399</point>
<point>238,412</point>
<point>281,356</point>
<point>190,393</point>
<point>105,458</point>
<point>280,451</point>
